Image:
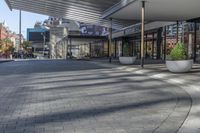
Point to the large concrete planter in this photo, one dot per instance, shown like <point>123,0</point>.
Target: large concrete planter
<point>179,66</point>
<point>127,60</point>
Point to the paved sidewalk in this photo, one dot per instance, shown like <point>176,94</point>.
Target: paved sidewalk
<point>187,81</point>
<point>86,97</point>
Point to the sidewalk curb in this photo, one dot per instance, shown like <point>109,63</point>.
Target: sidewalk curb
<point>4,61</point>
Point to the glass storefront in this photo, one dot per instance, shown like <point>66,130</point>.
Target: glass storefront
<point>100,49</point>
<point>189,40</point>
<point>136,47</point>
<point>155,45</point>
<point>150,46</point>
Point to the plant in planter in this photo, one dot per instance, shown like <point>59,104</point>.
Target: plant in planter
<point>178,62</point>
<point>126,59</point>
<point>126,51</point>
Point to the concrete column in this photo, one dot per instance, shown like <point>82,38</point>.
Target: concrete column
<point>66,48</point>
<point>153,46</point>
<point>165,42</point>
<point>115,49</point>
<point>190,46</point>
<point>146,45</point>
<point>108,48</point>
<point>122,48</point>
<point>142,33</point>
<point>90,49</point>
<point>110,41</point>
<point>195,40</point>
<point>70,41</point>
<point>119,49</point>
<point>63,49</point>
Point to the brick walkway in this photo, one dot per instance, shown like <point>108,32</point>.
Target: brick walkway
<point>83,97</point>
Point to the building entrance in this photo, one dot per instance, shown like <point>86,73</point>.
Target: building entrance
<point>150,47</point>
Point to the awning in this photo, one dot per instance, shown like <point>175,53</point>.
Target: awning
<point>88,11</point>
<point>156,10</point>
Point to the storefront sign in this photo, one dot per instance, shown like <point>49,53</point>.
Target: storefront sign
<point>93,30</point>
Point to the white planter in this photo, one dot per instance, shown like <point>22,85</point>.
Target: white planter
<point>127,60</point>
<point>179,66</point>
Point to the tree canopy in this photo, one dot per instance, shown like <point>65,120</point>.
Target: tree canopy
<point>26,45</point>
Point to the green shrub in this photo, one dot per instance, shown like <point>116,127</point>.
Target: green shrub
<point>126,49</point>
<point>178,52</point>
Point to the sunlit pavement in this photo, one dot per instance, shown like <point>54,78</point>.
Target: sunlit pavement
<point>187,81</point>
<point>86,97</point>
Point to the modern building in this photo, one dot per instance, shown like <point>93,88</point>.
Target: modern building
<point>39,38</point>
<point>148,27</point>
<point>158,38</point>
<point>87,40</point>
<point>75,39</point>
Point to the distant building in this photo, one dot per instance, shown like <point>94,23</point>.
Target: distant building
<point>52,22</point>
<point>15,38</point>
<point>68,37</point>
<point>39,37</point>
<point>4,31</point>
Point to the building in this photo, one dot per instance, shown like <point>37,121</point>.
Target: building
<point>4,31</point>
<point>39,38</point>
<point>52,22</point>
<point>125,16</point>
<point>76,39</point>
<point>15,38</point>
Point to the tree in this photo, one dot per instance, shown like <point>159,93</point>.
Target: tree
<point>26,45</point>
<point>6,46</point>
<point>1,45</point>
<point>178,52</point>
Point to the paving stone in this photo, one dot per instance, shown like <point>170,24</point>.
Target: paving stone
<point>59,96</point>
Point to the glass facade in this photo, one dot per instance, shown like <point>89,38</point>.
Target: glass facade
<point>158,44</point>
<point>192,40</point>
<point>151,47</point>
<point>100,49</point>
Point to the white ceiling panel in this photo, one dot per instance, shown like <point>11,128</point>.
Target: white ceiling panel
<point>89,11</point>
<point>157,10</point>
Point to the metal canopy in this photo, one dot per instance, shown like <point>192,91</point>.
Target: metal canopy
<point>156,10</point>
<point>88,11</point>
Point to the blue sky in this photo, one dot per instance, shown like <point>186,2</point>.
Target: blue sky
<point>12,18</point>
